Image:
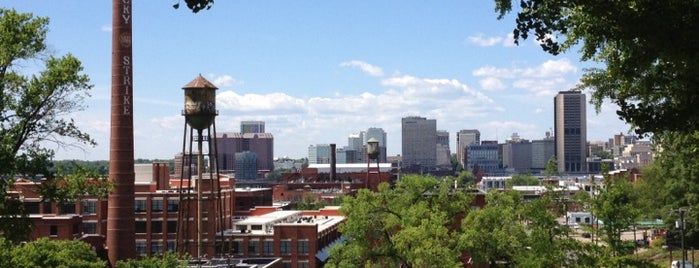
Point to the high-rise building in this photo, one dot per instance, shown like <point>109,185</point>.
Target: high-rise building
<point>319,154</point>
<point>418,145</point>
<point>228,144</point>
<point>252,127</point>
<point>517,155</point>
<point>483,158</point>
<point>542,151</point>
<point>570,128</point>
<point>355,141</point>
<point>463,138</point>
<point>443,151</point>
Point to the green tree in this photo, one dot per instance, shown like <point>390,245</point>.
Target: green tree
<point>167,260</point>
<point>75,186</point>
<point>646,50</point>
<point>672,182</point>
<point>551,168</point>
<point>33,108</point>
<point>494,233</point>
<point>614,207</point>
<point>410,225</point>
<point>466,178</point>
<point>55,253</point>
<point>522,180</point>
<point>196,5</point>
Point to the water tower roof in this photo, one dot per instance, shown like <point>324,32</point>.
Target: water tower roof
<point>200,82</point>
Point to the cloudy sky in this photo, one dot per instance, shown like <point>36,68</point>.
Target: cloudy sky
<point>317,71</point>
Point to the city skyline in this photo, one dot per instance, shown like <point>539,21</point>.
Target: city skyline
<point>316,72</point>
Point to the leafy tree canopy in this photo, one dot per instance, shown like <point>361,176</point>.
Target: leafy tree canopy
<point>647,48</point>
<point>409,225</point>
<point>196,5</point>
<point>51,253</point>
<point>35,109</point>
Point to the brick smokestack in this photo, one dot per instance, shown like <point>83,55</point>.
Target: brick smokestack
<point>333,162</point>
<point>121,243</point>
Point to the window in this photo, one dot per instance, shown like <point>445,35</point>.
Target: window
<point>156,227</point>
<point>285,246</point>
<point>141,227</point>
<point>286,264</point>
<point>68,208</point>
<point>303,246</point>
<point>156,205</point>
<point>171,245</point>
<point>303,264</point>
<point>48,208</point>
<point>140,206</point>
<point>238,247</point>
<point>54,230</point>
<point>140,247</point>
<point>171,227</point>
<point>90,227</point>
<point>31,207</point>
<point>89,207</point>
<point>268,247</point>
<point>156,247</point>
<point>173,205</point>
<point>253,247</point>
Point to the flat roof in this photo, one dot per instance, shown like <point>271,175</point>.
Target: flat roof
<point>267,222</point>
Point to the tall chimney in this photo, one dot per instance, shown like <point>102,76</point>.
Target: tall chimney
<point>121,243</point>
<point>333,162</point>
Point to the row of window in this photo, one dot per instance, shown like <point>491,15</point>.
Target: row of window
<point>156,205</point>
<point>155,247</point>
<point>89,207</point>
<point>156,227</point>
<point>253,247</point>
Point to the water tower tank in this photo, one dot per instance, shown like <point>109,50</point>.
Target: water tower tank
<point>200,103</point>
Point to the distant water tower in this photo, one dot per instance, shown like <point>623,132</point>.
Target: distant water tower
<point>200,114</point>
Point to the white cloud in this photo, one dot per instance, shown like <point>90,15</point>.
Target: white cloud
<point>509,41</point>
<point>106,28</point>
<point>223,80</point>
<point>491,83</point>
<point>485,41</point>
<point>549,68</point>
<point>229,100</point>
<point>365,67</point>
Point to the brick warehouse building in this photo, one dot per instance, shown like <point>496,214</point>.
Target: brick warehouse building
<point>157,206</point>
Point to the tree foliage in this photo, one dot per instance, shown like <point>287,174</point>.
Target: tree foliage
<point>196,5</point>
<point>410,225</point>
<point>169,259</point>
<point>35,109</point>
<point>72,187</point>
<point>49,253</point>
<point>522,180</point>
<point>647,50</point>
<point>671,182</point>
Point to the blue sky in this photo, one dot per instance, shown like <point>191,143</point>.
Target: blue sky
<point>317,71</point>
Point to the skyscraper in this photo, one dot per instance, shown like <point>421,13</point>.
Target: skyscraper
<point>230,143</point>
<point>463,138</point>
<point>252,127</point>
<point>570,128</point>
<point>443,151</point>
<point>419,141</point>
<point>319,154</point>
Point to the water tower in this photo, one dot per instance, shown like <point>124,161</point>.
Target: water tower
<point>204,188</point>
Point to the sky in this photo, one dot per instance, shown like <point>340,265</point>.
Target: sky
<point>317,71</point>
